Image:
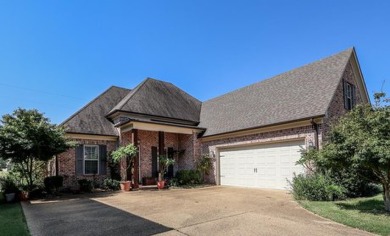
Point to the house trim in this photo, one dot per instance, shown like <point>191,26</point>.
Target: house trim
<point>91,137</point>
<point>269,128</point>
<point>159,126</point>
<point>358,72</point>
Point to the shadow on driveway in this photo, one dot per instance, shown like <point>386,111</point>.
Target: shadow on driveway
<point>85,217</point>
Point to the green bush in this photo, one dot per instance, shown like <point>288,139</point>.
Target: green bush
<point>351,179</point>
<point>111,184</point>
<point>8,185</point>
<point>53,183</point>
<point>85,185</point>
<point>316,187</point>
<point>186,177</point>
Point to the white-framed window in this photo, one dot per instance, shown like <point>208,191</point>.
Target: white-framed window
<point>91,159</point>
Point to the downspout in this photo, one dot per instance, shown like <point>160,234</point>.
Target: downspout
<point>315,127</point>
<point>56,159</point>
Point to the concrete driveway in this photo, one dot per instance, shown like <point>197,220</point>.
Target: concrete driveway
<point>207,211</point>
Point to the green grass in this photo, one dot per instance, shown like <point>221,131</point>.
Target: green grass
<point>363,213</point>
<point>12,220</point>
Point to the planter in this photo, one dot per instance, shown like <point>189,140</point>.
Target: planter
<point>9,197</point>
<point>161,184</point>
<point>125,185</point>
<point>23,196</point>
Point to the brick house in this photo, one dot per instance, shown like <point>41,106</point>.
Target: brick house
<point>254,134</point>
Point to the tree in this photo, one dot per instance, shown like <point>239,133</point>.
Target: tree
<point>126,153</point>
<point>361,139</point>
<point>28,138</point>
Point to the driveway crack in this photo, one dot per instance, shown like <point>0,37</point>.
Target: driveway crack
<point>213,220</point>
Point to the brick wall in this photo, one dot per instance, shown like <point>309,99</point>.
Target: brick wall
<point>147,140</point>
<point>336,107</point>
<point>190,144</point>
<point>67,163</point>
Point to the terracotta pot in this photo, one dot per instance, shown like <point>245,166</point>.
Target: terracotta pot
<point>125,185</point>
<point>161,184</point>
<point>23,196</point>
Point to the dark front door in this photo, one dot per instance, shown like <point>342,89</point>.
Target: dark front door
<point>154,162</point>
<point>170,168</point>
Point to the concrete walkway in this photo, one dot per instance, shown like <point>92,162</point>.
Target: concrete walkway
<point>208,211</point>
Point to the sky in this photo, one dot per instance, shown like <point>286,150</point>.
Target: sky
<point>56,56</point>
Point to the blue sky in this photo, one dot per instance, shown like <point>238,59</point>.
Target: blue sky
<point>58,55</point>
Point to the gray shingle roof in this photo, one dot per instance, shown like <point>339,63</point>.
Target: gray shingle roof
<point>301,93</point>
<point>91,118</point>
<point>162,99</point>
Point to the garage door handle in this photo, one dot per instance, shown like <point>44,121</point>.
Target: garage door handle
<point>255,170</point>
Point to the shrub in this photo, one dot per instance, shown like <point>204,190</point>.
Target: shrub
<point>351,179</point>
<point>85,185</point>
<point>111,184</point>
<point>53,182</point>
<point>316,187</point>
<point>186,177</point>
<point>8,185</point>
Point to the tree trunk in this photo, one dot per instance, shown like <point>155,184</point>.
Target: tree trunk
<point>386,197</point>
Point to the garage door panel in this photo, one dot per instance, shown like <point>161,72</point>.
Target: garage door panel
<point>275,164</point>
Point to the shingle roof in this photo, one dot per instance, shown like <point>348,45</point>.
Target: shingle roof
<point>91,118</point>
<point>162,99</point>
<point>301,93</point>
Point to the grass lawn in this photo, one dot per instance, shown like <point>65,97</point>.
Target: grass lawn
<point>363,213</point>
<point>12,220</point>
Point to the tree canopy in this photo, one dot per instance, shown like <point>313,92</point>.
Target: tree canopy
<point>26,136</point>
<point>360,140</point>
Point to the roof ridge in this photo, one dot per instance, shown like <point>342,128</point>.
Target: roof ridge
<point>89,103</point>
<point>277,75</point>
<point>129,96</point>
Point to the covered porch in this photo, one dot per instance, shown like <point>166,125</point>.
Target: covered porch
<point>154,139</point>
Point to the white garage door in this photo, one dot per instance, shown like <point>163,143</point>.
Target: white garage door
<point>265,166</point>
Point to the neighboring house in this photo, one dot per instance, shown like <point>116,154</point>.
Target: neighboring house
<point>255,134</point>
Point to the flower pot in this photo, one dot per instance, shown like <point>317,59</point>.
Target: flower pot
<point>23,196</point>
<point>125,185</point>
<point>161,184</point>
<point>9,197</point>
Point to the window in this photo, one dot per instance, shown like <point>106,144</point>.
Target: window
<point>91,159</point>
<point>349,96</point>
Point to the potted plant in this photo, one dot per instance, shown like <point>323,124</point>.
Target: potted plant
<point>164,163</point>
<point>10,189</point>
<point>125,154</point>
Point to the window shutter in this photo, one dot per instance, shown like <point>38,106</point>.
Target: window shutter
<point>79,160</point>
<point>353,95</point>
<point>103,159</point>
<point>345,94</point>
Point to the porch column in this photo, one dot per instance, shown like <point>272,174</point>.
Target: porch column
<point>136,161</point>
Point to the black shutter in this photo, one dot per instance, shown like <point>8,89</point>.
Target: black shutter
<point>79,160</point>
<point>102,159</point>
<point>353,95</point>
<point>154,162</point>
<point>345,94</point>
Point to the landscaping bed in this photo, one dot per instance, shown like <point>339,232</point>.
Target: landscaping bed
<point>363,213</point>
